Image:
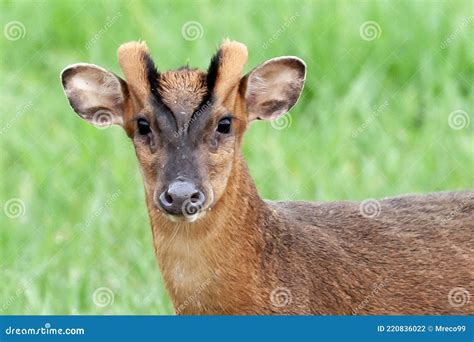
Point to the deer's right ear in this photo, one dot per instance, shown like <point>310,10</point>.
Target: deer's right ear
<point>97,95</point>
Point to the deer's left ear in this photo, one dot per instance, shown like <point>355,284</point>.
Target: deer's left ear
<point>97,95</point>
<point>272,88</point>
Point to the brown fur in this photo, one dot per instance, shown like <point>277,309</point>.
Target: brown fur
<point>249,256</point>
<point>182,91</point>
<point>232,56</point>
<point>130,57</point>
<point>327,257</point>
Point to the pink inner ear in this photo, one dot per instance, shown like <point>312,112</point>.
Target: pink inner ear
<point>274,87</point>
<point>94,93</point>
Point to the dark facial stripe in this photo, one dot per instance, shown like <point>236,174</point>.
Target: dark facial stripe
<point>212,72</point>
<point>153,77</point>
<point>152,74</point>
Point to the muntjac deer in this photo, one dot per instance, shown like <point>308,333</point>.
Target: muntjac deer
<point>224,250</point>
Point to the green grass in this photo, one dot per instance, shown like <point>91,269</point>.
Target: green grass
<point>372,122</point>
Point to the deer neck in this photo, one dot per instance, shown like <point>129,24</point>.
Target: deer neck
<point>222,244</point>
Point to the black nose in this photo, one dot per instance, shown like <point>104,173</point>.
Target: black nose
<point>182,198</point>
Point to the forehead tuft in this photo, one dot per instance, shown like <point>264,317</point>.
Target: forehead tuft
<point>182,90</point>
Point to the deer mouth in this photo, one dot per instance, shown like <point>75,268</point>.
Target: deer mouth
<point>186,218</point>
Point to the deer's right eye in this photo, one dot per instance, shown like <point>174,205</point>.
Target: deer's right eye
<point>224,125</point>
<point>143,127</point>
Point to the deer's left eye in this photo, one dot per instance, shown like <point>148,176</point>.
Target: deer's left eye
<point>143,127</point>
<point>224,125</point>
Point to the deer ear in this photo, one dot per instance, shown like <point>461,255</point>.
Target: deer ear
<point>97,95</point>
<point>273,87</point>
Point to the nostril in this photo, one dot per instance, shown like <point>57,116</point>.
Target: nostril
<point>166,199</point>
<point>198,198</point>
<point>195,197</point>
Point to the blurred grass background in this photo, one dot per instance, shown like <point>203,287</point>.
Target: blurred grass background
<point>372,122</point>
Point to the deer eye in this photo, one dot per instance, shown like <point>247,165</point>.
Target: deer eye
<point>224,125</point>
<point>143,126</point>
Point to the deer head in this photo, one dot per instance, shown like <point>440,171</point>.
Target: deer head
<point>186,125</point>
